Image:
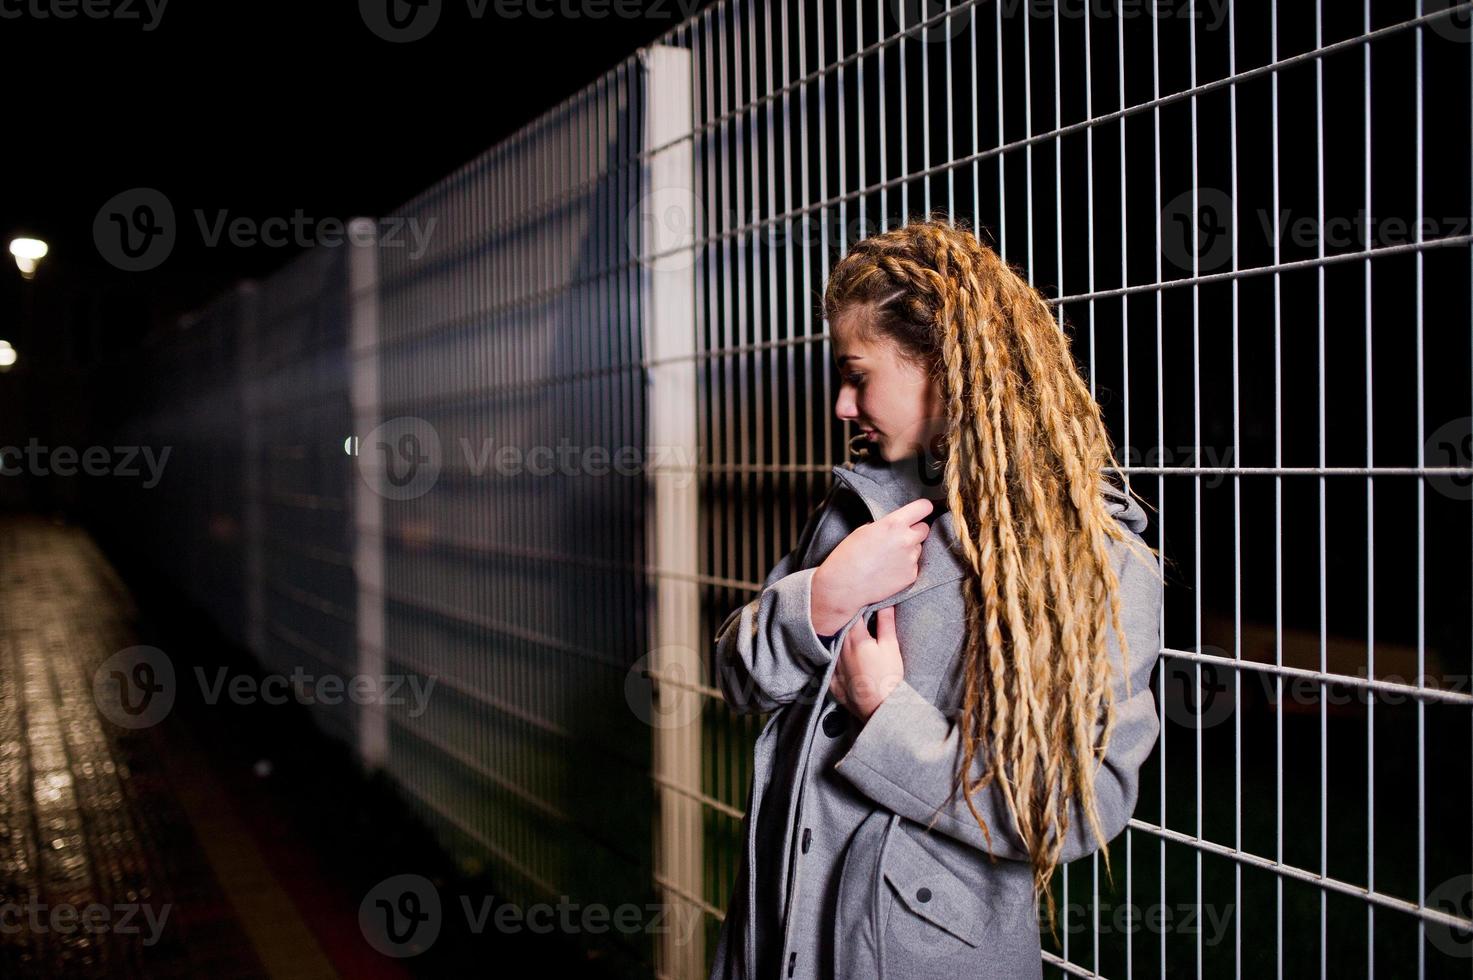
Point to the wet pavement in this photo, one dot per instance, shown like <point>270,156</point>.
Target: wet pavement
<point>202,839</point>
<point>101,872</point>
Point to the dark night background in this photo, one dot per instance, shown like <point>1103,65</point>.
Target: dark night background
<point>259,110</point>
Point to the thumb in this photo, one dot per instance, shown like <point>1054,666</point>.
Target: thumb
<point>885,624</point>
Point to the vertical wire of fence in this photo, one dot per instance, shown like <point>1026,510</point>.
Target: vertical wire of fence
<point>1253,222</point>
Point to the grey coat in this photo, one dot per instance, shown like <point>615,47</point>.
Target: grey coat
<point>857,865</point>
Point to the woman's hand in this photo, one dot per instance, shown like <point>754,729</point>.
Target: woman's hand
<point>874,562</point>
<point>869,667</point>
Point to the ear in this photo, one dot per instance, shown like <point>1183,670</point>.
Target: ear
<point>936,407</point>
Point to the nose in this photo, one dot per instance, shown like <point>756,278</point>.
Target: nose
<point>845,408</point>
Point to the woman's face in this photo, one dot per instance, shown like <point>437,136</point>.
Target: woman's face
<point>892,399</point>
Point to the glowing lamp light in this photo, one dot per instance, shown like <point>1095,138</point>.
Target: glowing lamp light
<point>28,254</point>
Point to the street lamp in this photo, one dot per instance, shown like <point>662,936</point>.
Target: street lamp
<point>7,356</point>
<point>28,254</point>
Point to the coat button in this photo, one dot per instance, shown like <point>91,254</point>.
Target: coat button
<point>792,961</point>
<point>807,839</point>
<point>924,894</point>
<point>835,722</point>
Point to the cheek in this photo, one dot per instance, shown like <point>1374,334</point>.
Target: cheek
<point>874,405</point>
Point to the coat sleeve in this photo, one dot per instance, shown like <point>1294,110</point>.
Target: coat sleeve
<point>905,756</point>
<point>766,651</point>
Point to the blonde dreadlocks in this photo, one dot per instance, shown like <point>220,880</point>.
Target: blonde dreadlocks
<point>1025,449</point>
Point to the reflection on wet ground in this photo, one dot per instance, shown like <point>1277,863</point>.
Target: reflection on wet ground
<point>148,831</point>
<point>101,874</point>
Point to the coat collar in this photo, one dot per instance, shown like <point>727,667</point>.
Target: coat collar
<point>885,486</point>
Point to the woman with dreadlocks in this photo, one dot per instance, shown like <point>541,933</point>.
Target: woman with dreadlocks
<point>917,785</point>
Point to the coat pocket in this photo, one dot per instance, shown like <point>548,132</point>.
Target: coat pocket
<point>931,898</point>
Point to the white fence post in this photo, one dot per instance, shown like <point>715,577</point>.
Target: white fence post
<point>368,505</point>
<point>665,215</point>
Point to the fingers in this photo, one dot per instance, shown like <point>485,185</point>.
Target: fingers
<point>912,512</point>
<point>885,625</point>
<point>859,633</point>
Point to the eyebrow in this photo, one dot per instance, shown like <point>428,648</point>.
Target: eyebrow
<point>848,357</point>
